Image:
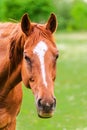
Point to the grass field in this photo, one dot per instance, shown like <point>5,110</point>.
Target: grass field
<point>70,89</point>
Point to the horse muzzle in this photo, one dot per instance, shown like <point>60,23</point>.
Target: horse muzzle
<point>46,109</point>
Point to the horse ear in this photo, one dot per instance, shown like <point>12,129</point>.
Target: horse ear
<point>52,23</point>
<point>25,24</point>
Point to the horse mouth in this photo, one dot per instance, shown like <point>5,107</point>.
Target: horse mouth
<point>45,109</point>
<point>43,114</point>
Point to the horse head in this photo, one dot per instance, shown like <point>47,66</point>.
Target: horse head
<point>39,63</point>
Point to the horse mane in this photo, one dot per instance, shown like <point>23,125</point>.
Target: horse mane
<point>16,39</point>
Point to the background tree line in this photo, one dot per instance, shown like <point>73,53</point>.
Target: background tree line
<point>71,14</point>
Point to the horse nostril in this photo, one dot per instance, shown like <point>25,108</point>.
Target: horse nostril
<point>54,102</point>
<point>46,106</point>
<point>53,105</point>
<point>39,103</point>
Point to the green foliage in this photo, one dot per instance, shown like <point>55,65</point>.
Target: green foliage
<point>37,9</point>
<point>72,14</point>
<point>79,15</point>
<point>63,12</point>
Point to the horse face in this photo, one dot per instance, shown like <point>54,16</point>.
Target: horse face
<point>39,64</point>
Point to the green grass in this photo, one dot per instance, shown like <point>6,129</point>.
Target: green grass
<point>70,89</point>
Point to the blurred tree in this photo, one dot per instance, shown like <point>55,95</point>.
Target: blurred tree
<point>37,9</point>
<point>63,8</point>
<point>72,14</point>
<point>78,19</point>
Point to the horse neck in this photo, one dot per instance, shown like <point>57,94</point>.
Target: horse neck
<point>14,65</point>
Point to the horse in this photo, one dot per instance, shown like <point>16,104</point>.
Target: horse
<point>28,54</point>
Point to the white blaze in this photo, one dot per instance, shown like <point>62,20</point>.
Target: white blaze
<point>40,51</point>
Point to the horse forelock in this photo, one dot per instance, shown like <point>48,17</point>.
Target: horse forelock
<point>42,32</point>
<point>39,33</point>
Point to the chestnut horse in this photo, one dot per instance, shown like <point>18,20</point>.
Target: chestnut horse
<point>27,53</point>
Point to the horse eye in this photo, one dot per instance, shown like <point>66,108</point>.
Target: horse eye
<point>27,59</point>
<point>31,79</point>
<point>57,56</point>
<point>54,78</point>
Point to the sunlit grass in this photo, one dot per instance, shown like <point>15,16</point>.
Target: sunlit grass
<point>70,90</point>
